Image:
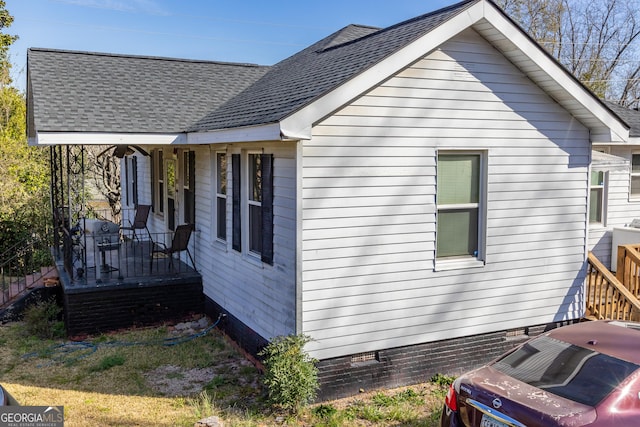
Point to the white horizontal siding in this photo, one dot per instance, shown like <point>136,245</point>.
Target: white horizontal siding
<point>260,295</point>
<point>368,222</point>
<point>620,209</point>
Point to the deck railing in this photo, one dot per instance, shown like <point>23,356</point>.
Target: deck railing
<point>606,296</point>
<point>127,258</point>
<point>98,250</point>
<point>628,267</point>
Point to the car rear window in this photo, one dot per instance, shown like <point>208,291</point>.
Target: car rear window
<point>573,372</point>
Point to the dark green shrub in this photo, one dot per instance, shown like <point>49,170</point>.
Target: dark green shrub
<point>291,377</point>
<point>325,411</point>
<point>108,362</point>
<point>42,319</point>
<point>442,380</point>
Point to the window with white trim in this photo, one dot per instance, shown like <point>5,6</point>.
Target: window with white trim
<point>131,180</point>
<point>127,184</point>
<point>158,190</point>
<point>134,180</point>
<point>254,202</point>
<point>459,199</point>
<point>189,186</point>
<point>634,192</point>
<point>596,198</point>
<point>221,196</point>
<point>252,214</point>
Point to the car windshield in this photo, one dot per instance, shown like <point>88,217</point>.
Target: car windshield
<point>569,371</point>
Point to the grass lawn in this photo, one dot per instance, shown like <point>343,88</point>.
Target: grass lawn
<point>134,378</point>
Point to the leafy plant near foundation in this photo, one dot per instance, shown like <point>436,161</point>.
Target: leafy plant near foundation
<point>42,320</point>
<point>291,377</point>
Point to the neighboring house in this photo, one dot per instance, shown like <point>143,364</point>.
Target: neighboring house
<point>615,193</point>
<point>414,198</point>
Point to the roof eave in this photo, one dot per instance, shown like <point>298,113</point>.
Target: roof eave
<point>323,106</point>
<point>95,138</point>
<point>263,132</point>
<point>546,72</point>
<point>505,35</point>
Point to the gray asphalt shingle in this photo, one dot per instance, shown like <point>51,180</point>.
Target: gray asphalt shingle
<point>303,77</point>
<point>94,92</point>
<point>630,117</point>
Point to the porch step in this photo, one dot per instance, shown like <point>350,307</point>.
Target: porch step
<point>48,276</point>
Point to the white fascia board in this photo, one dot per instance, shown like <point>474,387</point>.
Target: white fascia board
<point>77,138</point>
<point>619,131</point>
<point>301,121</point>
<point>267,132</point>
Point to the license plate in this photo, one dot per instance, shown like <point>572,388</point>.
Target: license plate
<point>488,421</point>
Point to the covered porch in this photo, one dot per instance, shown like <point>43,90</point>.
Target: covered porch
<point>114,274</point>
<point>137,108</point>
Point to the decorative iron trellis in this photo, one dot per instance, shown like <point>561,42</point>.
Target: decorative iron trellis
<point>68,202</point>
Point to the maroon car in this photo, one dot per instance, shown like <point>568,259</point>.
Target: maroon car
<point>587,374</point>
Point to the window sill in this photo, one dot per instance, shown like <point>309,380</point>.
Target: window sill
<point>458,264</point>
<point>220,245</point>
<point>254,259</point>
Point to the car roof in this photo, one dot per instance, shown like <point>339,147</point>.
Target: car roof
<point>617,339</point>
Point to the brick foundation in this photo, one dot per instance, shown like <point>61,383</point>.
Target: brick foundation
<point>396,367</point>
<point>245,337</point>
<point>95,310</point>
<point>341,377</point>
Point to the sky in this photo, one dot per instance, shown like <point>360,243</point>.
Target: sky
<point>248,31</point>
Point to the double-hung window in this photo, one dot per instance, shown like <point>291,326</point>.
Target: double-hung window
<point>221,196</point>
<point>252,208</point>
<point>635,176</point>
<point>159,189</point>
<point>596,198</point>
<point>189,186</point>
<point>131,180</point>
<point>254,202</point>
<point>459,198</point>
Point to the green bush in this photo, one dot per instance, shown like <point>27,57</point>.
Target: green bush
<point>108,362</point>
<point>42,319</point>
<point>291,377</point>
<point>325,411</point>
<point>442,380</point>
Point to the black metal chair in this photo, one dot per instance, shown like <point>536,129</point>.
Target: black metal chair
<point>179,243</point>
<point>139,222</point>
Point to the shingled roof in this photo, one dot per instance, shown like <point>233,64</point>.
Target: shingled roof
<point>94,92</point>
<point>631,117</point>
<point>303,77</point>
<point>207,102</point>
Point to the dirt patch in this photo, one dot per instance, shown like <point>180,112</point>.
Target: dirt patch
<point>177,381</point>
<point>170,380</point>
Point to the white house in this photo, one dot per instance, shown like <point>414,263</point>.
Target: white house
<point>415,198</point>
<point>615,192</point>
